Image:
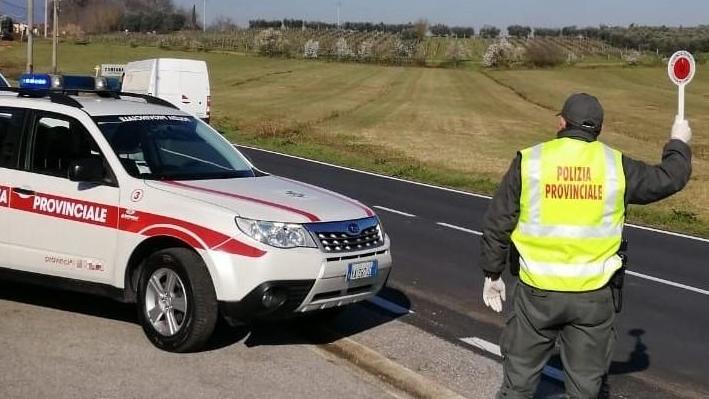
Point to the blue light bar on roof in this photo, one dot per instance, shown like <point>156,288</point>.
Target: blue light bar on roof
<point>40,81</point>
<point>78,82</point>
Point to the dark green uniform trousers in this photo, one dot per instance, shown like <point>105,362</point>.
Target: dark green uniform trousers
<point>582,323</point>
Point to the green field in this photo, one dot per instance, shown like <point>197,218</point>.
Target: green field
<point>457,127</point>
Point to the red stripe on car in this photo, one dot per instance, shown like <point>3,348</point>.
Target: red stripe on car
<point>143,223</point>
<point>174,233</point>
<point>138,222</point>
<point>147,224</point>
<point>308,215</point>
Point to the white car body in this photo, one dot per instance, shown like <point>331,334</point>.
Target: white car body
<point>92,234</point>
<point>182,82</point>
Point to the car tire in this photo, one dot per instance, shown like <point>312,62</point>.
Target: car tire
<point>177,304</point>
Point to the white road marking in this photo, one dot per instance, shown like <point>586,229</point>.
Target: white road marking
<point>667,282</point>
<point>390,306</point>
<point>549,371</point>
<point>671,233</point>
<point>484,345</point>
<point>463,229</point>
<point>394,211</point>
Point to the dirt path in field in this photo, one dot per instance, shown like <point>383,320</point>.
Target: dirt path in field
<point>516,92</point>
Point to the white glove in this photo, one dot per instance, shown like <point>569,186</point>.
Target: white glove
<point>494,293</point>
<point>681,131</point>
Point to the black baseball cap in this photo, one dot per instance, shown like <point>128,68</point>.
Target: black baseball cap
<point>583,111</point>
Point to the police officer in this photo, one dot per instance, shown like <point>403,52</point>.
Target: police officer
<point>558,217</point>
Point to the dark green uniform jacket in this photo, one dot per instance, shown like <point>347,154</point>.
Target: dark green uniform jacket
<point>644,184</point>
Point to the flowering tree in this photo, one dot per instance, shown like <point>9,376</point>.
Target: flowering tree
<point>364,52</point>
<point>499,54</point>
<point>342,49</point>
<point>457,52</point>
<point>404,49</point>
<point>632,57</point>
<point>271,42</point>
<point>312,47</point>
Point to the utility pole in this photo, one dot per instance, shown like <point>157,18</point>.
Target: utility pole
<point>339,4</point>
<point>204,16</point>
<point>46,17</point>
<point>55,35</point>
<point>30,24</point>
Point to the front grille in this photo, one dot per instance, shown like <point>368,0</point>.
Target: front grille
<point>336,294</point>
<point>357,256</point>
<point>339,237</point>
<point>344,242</point>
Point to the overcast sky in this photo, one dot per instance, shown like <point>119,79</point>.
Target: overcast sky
<point>468,12</point>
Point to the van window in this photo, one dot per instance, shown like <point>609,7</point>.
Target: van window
<point>59,141</point>
<point>11,121</point>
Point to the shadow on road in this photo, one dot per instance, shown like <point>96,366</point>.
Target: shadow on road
<point>305,329</point>
<point>326,327</point>
<point>638,359</point>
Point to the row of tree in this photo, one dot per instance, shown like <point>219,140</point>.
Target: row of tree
<point>435,30</point>
<point>648,38</point>
<point>319,25</point>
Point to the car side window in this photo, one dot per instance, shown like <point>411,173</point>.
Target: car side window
<point>11,122</point>
<point>59,141</point>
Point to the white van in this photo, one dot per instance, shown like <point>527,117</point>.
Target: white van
<point>182,82</point>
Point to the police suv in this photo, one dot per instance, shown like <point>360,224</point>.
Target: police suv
<point>124,195</point>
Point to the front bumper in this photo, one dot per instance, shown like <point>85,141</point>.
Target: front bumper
<point>284,298</point>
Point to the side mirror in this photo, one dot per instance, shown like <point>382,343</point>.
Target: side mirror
<point>88,170</point>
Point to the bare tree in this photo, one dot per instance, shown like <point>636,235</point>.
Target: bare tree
<point>421,29</point>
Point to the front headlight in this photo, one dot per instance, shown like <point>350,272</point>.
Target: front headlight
<point>276,234</point>
<point>380,227</point>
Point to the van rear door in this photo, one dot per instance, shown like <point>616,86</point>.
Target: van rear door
<point>194,90</point>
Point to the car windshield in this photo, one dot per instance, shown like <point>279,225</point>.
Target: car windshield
<point>171,147</point>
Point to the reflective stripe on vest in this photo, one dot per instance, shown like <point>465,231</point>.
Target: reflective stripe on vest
<point>571,215</point>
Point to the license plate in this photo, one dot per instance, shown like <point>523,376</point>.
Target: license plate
<point>362,270</point>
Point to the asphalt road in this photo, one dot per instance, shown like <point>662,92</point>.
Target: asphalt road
<point>662,347</point>
<point>56,344</point>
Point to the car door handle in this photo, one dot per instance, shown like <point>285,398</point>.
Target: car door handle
<point>23,191</point>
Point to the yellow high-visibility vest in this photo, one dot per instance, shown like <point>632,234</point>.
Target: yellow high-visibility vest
<point>572,212</point>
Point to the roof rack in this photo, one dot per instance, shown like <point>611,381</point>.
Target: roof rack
<point>62,96</point>
<point>149,99</point>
